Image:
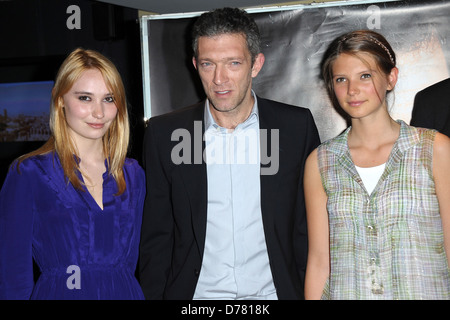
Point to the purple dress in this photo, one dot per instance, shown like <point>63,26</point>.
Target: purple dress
<point>82,251</point>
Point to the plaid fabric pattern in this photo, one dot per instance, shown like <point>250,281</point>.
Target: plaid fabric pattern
<point>389,244</point>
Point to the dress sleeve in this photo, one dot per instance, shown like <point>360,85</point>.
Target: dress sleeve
<point>16,230</point>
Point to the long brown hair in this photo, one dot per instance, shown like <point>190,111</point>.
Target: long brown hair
<point>354,43</point>
<point>115,141</point>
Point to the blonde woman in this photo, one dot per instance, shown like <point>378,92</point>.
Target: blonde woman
<point>74,206</point>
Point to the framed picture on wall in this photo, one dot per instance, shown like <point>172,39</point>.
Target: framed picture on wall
<point>24,111</point>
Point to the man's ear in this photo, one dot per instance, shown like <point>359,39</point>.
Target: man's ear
<point>258,64</point>
<point>194,62</point>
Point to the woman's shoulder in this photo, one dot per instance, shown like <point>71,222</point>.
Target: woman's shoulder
<point>442,145</point>
<point>37,169</point>
<point>132,166</point>
<point>36,162</point>
<point>337,144</point>
<point>134,174</point>
<point>440,156</point>
<point>133,163</point>
<point>411,130</point>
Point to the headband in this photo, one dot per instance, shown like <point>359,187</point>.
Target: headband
<point>374,40</point>
<point>384,47</point>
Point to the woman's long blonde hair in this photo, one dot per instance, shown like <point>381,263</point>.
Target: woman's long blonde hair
<point>115,141</point>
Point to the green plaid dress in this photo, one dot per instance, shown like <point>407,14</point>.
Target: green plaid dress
<point>389,244</point>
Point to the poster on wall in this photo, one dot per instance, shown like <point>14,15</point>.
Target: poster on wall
<point>24,111</point>
<point>294,39</point>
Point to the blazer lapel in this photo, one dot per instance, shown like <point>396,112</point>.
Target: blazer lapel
<point>269,182</point>
<point>194,175</point>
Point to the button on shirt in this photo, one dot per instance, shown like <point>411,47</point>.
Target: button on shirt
<point>235,260</point>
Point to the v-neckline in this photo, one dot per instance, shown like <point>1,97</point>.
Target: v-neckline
<point>89,196</point>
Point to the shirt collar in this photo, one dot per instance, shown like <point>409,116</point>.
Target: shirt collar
<point>210,123</point>
<point>408,137</point>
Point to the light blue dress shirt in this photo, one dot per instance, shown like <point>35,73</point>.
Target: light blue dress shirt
<point>235,261</point>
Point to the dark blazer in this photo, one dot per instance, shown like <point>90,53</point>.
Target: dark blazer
<point>174,223</point>
<point>432,107</point>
